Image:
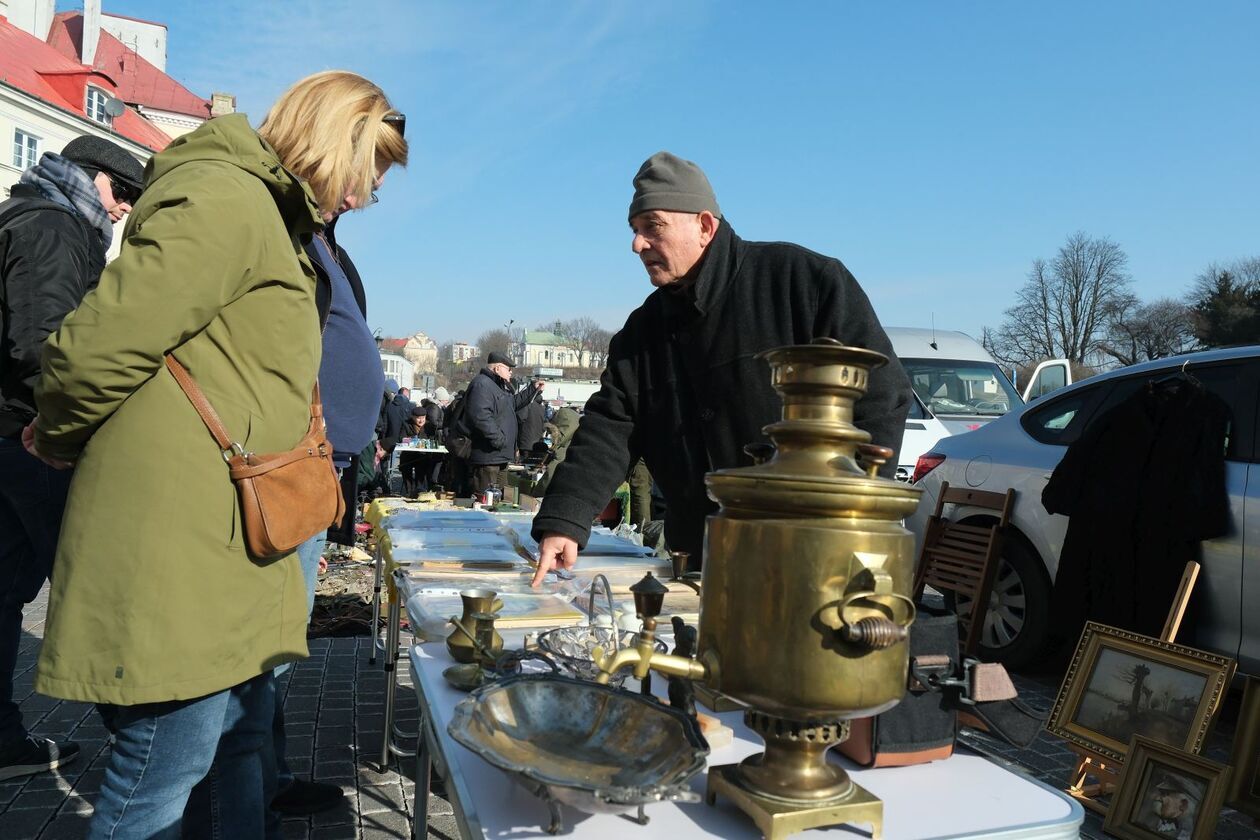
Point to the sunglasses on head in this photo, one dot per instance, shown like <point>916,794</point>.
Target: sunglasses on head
<point>124,192</point>
<point>398,121</point>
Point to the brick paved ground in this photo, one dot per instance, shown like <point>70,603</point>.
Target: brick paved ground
<point>334,705</point>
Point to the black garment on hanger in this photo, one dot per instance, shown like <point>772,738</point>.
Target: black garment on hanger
<point>1144,485</point>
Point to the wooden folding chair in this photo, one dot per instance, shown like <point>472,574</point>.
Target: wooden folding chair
<point>964,559</point>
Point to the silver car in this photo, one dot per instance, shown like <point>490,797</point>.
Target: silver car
<point>1021,450</point>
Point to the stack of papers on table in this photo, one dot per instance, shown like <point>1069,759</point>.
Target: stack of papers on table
<point>431,606</point>
<point>450,520</point>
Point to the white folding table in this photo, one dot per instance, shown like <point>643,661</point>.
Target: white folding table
<point>964,796</point>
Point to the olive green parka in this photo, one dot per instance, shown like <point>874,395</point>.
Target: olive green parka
<point>154,597</point>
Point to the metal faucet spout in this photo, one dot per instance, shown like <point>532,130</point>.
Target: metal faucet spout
<point>649,660</point>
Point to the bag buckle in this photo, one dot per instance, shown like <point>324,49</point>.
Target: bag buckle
<point>963,684</point>
<point>930,673</point>
<point>936,673</point>
<point>234,449</point>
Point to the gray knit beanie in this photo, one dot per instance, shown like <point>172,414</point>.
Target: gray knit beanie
<point>667,182</point>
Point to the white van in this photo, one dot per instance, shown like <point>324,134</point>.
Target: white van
<point>957,385</point>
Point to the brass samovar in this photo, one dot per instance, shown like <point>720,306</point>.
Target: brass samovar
<point>804,604</point>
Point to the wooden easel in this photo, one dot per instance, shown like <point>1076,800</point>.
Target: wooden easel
<point>1106,771</point>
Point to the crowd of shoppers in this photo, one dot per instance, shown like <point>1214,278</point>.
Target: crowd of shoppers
<point>230,265</point>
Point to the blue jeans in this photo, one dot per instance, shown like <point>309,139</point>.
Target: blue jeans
<point>199,763</point>
<point>32,501</point>
<point>308,554</point>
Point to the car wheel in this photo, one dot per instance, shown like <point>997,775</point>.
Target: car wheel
<point>1018,620</point>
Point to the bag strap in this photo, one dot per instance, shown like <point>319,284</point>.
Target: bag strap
<point>208,415</point>
<point>211,418</point>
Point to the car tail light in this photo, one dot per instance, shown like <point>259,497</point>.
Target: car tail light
<point>928,461</point>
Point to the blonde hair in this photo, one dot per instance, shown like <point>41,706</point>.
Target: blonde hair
<point>329,131</point>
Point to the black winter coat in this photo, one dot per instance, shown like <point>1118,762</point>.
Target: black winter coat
<point>50,257</point>
<point>530,421</point>
<point>490,419</point>
<point>433,419</point>
<point>1143,486</point>
<point>397,414</point>
<point>684,389</point>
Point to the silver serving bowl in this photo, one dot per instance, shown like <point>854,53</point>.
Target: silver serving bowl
<point>573,648</point>
<point>593,747</point>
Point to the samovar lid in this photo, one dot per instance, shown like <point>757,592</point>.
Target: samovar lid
<point>815,470</point>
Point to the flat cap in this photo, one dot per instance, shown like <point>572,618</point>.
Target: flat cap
<point>103,155</point>
<point>497,358</point>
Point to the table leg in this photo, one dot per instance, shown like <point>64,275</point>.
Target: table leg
<point>391,682</point>
<point>376,604</point>
<point>424,777</point>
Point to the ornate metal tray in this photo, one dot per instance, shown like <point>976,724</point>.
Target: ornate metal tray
<point>595,748</point>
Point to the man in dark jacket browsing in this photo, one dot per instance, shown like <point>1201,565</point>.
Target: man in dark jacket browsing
<point>55,230</point>
<point>491,419</point>
<point>683,387</point>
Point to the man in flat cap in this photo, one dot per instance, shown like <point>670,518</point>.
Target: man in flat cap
<point>683,388</point>
<point>1173,807</point>
<point>55,230</point>
<point>490,420</point>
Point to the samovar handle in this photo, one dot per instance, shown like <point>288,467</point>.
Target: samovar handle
<point>874,632</point>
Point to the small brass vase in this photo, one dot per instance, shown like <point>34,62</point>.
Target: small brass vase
<point>479,605</point>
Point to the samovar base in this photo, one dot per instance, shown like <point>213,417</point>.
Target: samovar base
<point>778,818</point>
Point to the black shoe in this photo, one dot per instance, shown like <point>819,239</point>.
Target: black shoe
<point>302,798</point>
<point>35,755</point>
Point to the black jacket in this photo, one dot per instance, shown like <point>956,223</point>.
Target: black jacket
<point>683,388</point>
<point>50,257</point>
<point>396,415</point>
<point>490,420</point>
<point>433,417</point>
<point>1143,486</point>
<point>530,420</point>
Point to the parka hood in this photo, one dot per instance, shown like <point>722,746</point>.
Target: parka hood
<point>230,139</point>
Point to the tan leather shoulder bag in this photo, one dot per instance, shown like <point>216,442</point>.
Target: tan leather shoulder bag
<point>286,497</point>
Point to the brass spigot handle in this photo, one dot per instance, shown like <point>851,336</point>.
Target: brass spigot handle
<point>875,633</point>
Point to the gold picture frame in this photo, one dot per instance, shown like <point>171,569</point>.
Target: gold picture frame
<point>1166,793</point>
<point>1122,684</point>
<point>1244,793</point>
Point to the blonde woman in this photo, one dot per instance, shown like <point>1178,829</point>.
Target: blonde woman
<point>157,610</point>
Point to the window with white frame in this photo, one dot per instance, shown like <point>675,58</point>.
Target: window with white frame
<point>25,149</point>
<point>96,99</point>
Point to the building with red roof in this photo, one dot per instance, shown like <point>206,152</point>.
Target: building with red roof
<point>133,53</point>
<point>67,75</point>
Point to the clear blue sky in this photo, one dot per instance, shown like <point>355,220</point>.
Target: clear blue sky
<point>935,148</point>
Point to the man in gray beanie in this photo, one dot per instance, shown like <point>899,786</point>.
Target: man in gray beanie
<point>55,230</point>
<point>683,387</point>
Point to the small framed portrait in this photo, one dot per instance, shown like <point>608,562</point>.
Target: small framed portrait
<point>1121,685</point>
<point>1244,793</point>
<point>1166,794</point>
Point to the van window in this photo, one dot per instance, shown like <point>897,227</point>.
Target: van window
<point>961,388</point>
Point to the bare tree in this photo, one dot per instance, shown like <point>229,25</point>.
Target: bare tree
<point>600,339</point>
<point>1065,304</point>
<point>1140,332</point>
<point>496,340</point>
